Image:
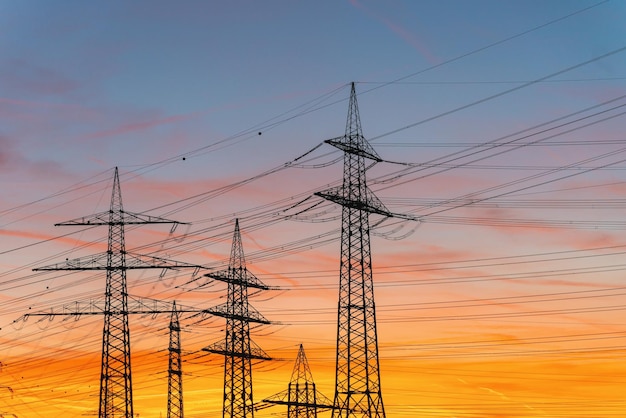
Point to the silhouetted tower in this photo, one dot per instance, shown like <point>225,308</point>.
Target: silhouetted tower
<point>303,400</point>
<point>174,371</point>
<point>116,395</point>
<point>357,385</point>
<point>237,348</point>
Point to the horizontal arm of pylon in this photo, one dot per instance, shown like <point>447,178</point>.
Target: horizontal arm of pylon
<point>371,203</point>
<point>220,347</point>
<point>225,311</point>
<point>127,218</point>
<point>246,279</point>
<point>359,147</point>
<point>139,306</point>
<point>282,398</point>
<point>315,405</point>
<point>133,261</point>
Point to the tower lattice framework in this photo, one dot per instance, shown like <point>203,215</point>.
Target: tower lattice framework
<point>302,398</point>
<point>116,394</point>
<point>238,348</point>
<point>357,380</point>
<point>175,370</point>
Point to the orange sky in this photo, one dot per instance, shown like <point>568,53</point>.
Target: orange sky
<point>464,334</point>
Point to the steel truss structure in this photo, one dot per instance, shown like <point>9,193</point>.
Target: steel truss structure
<point>357,381</point>
<point>175,370</point>
<point>237,348</point>
<point>302,398</point>
<point>116,395</point>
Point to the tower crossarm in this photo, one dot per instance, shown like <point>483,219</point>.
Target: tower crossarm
<point>240,278</point>
<point>226,311</point>
<point>125,218</point>
<point>293,397</point>
<point>274,400</point>
<point>370,204</point>
<point>136,306</point>
<point>133,261</point>
<point>222,347</point>
<point>362,147</point>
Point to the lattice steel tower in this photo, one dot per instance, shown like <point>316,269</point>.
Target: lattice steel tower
<point>6,414</point>
<point>237,348</point>
<point>302,398</point>
<point>116,395</point>
<point>357,381</point>
<point>175,370</point>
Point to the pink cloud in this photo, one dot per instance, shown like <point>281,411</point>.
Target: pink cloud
<point>145,188</point>
<point>595,91</point>
<point>37,104</point>
<point>6,152</point>
<point>565,283</point>
<point>139,126</point>
<point>593,240</point>
<point>15,163</point>
<point>403,33</point>
<point>74,242</point>
<point>27,78</point>
<point>429,255</point>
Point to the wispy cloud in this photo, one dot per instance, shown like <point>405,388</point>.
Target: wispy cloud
<point>26,78</point>
<point>406,35</point>
<point>138,126</point>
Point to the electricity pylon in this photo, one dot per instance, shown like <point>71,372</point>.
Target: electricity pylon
<point>141,307</point>
<point>237,348</point>
<point>357,380</point>
<point>303,400</point>
<point>116,396</point>
<point>174,371</point>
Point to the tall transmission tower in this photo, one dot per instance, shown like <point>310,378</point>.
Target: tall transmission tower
<point>237,348</point>
<point>302,398</point>
<point>174,371</point>
<point>116,396</point>
<point>357,380</point>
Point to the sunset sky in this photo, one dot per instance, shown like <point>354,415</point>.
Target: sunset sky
<point>501,125</point>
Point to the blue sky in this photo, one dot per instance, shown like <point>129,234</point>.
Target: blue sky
<point>226,66</point>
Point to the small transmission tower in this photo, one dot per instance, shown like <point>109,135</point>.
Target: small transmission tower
<point>6,414</point>
<point>357,381</point>
<point>237,348</point>
<point>116,395</point>
<point>174,371</point>
<point>301,397</point>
